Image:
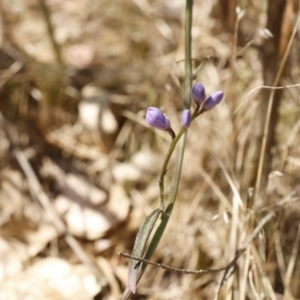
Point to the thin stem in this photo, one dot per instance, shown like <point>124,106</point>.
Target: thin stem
<point>188,53</point>
<point>175,183</point>
<point>186,104</point>
<point>200,66</point>
<point>165,166</point>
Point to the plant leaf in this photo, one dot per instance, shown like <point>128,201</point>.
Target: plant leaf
<point>138,248</point>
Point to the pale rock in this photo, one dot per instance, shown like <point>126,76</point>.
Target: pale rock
<point>126,172</point>
<point>85,219</point>
<point>50,278</point>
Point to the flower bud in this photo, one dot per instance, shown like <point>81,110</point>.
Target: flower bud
<point>213,100</point>
<point>157,119</point>
<point>198,93</point>
<point>186,118</point>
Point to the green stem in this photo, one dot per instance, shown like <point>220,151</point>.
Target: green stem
<point>165,166</point>
<point>166,162</point>
<point>188,53</point>
<point>187,102</point>
<point>175,182</point>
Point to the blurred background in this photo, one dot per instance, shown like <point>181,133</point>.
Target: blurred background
<point>79,165</point>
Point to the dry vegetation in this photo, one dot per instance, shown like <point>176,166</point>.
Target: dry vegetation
<point>79,165</point>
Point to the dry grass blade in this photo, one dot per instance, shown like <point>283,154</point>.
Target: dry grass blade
<point>50,29</point>
<point>216,189</point>
<point>11,71</point>
<point>270,104</point>
<point>287,293</point>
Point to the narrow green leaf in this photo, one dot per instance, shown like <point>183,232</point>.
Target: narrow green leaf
<point>138,248</point>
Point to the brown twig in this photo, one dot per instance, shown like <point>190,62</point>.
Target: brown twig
<point>185,271</point>
<point>227,268</point>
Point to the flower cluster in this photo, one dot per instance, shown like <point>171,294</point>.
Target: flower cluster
<point>198,95</point>
<point>157,119</point>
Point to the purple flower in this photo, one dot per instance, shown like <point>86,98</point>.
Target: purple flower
<point>157,119</point>
<point>186,118</point>
<point>198,93</point>
<point>213,100</point>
